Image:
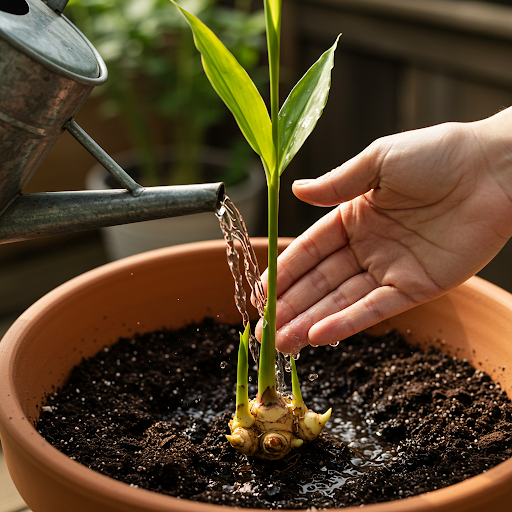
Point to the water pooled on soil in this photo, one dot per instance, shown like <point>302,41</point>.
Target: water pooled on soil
<point>152,411</point>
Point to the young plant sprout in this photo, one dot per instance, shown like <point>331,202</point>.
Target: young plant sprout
<point>272,424</point>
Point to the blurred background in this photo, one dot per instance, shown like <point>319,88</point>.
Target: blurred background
<point>401,64</point>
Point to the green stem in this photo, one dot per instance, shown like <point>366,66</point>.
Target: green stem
<point>266,372</point>
<point>274,51</point>
<point>273,211</point>
<point>243,415</point>
<point>266,377</point>
<point>298,401</point>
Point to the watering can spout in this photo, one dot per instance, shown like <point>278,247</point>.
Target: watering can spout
<point>51,213</point>
<point>48,69</point>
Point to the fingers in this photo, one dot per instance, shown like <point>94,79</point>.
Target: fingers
<point>294,335</point>
<point>324,325</point>
<point>319,282</point>
<point>324,238</point>
<point>355,177</point>
<point>316,284</point>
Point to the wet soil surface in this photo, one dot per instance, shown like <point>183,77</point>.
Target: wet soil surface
<point>152,411</point>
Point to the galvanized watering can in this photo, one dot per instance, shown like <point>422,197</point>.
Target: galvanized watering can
<point>47,70</point>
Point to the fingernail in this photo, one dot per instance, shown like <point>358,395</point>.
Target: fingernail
<point>301,183</point>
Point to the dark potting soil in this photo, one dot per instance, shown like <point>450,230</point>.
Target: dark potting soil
<point>152,411</point>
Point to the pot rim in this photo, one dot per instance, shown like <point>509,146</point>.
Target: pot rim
<point>21,431</point>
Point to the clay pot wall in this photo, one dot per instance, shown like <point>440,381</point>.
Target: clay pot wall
<point>167,288</point>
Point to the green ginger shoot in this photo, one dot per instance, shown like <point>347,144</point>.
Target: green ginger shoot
<point>271,424</point>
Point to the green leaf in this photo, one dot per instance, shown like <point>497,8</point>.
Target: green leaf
<point>273,26</point>
<point>235,88</point>
<point>242,384</point>
<point>273,29</point>
<point>273,13</point>
<point>304,106</point>
<point>297,395</point>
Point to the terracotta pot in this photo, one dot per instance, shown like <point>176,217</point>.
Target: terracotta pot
<point>171,286</point>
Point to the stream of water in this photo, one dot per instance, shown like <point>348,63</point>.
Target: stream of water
<point>233,228</point>
<point>347,424</point>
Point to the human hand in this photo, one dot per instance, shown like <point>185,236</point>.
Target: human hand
<point>419,213</point>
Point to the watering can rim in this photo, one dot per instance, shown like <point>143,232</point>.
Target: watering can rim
<point>38,54</point>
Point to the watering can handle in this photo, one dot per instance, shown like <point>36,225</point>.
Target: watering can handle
<point>103,158</point>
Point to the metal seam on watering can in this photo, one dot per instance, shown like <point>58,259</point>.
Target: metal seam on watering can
<point>54,42</point>
<point>34,128</point>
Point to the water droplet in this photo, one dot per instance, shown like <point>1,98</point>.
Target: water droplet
<point>280,364</point>
<point>265,323</point>
<point>223,364</point>
<point>220,212</point>
<point>335,344</point>
<point>296,356</point>
<point>313,376</point>
<point>288,366</point>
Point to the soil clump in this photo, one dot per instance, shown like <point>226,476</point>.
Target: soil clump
<point>153,410</point>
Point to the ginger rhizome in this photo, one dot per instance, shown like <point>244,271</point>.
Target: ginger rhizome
<point>271,424</point>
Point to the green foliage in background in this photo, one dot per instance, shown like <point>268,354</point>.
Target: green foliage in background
<point>156,81</point>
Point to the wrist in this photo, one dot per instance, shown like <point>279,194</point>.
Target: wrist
<point>494,138</point>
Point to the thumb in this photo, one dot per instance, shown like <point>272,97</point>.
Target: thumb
<point>355,177</point>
